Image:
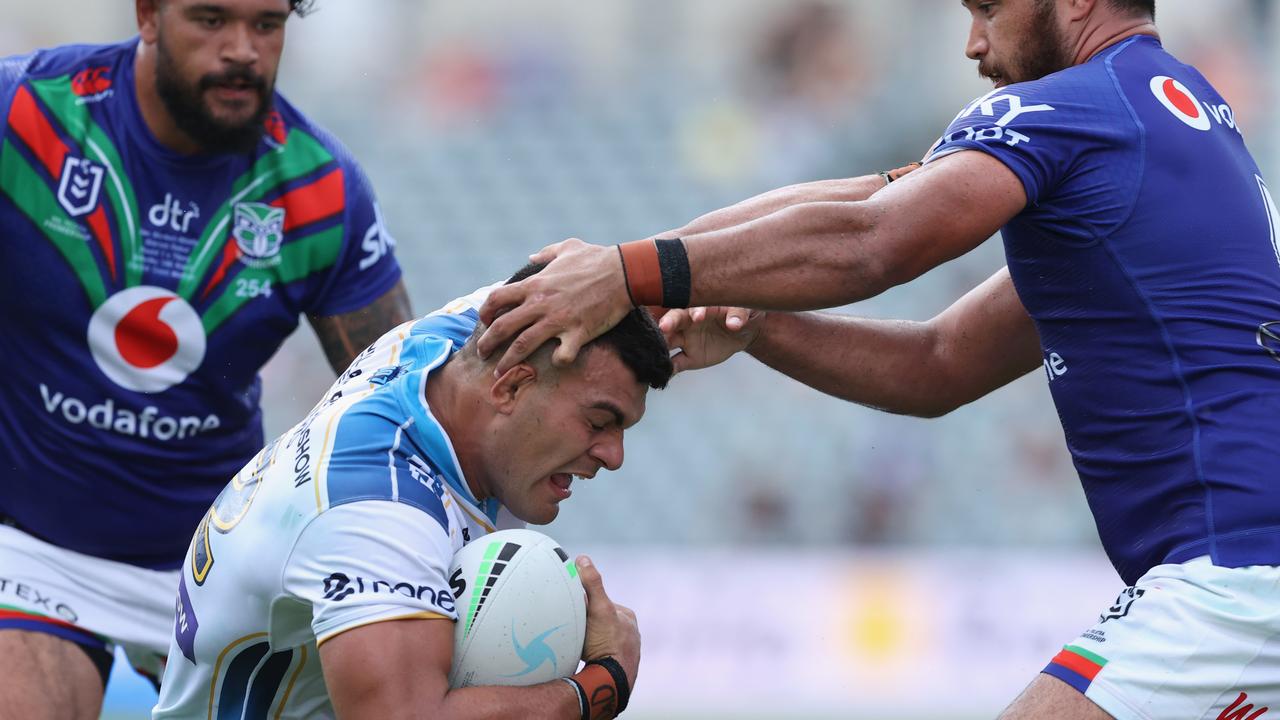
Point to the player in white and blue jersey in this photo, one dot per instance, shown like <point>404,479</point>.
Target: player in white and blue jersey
<point>317,582</point>
<point>1143,279</point>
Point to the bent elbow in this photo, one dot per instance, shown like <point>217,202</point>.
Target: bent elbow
<point>927,408</point>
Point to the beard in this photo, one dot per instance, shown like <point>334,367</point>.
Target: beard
<point>1043,51</point>
<point>185,103</point>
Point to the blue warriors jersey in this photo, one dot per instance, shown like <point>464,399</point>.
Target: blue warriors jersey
<point>1147,255</point>
<point>143,290</point>
<point>350,518</point>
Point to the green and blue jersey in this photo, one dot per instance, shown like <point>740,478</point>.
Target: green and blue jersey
<point>143,291</point>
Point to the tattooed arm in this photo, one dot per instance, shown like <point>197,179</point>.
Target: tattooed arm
<point>344,336</point>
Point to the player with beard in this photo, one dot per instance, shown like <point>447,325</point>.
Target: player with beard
<point>167,217</point>
<point>1143,280</point>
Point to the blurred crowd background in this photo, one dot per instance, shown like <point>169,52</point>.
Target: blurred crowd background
<point>490,129</point>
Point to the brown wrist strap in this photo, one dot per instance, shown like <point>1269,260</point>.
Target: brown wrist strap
<point>601,692</point>
<point>642,271</point>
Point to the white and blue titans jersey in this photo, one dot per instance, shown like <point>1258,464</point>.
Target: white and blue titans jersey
<point>350,518</point>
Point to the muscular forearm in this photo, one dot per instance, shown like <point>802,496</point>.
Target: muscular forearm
<point>984,341</point>
<point>554,700</point>
<point>891,365</point>
<point>829,253</point>
<point>802,257</point>
<point>842,190</point>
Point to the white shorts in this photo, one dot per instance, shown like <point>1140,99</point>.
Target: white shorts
<point>87,600</point>
<point>1188,642</point>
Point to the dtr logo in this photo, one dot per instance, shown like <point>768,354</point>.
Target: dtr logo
<point>146,339</point>
<point>1178,100</point>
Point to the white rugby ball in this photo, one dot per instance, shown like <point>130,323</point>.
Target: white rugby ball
<point>522,612</point>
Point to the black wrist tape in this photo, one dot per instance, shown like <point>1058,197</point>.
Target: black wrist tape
<point>677,283</point>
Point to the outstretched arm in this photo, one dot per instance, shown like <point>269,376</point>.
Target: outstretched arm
<point>811,255</point>
<point>824,254</point>
<point>839,190</point>
<point>984,341</point>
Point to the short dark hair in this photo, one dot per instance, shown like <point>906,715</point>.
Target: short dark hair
<point>299,7</point>
<point>636,339</point>
<point>1137,7</point>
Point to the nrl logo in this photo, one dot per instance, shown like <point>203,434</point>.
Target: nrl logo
<point>79,186</point>
<point>259,232</point>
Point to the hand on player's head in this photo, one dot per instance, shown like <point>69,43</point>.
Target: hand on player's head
<point>611,628</point>
<point>579,296</point>
<point>709,336</point>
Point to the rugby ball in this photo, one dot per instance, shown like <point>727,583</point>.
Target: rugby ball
<point>522,612</point>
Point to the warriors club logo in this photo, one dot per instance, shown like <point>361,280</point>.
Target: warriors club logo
<point>1180,101</point>
<point>259,231</point>
<point>146,339</point>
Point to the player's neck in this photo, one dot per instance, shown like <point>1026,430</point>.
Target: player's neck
<point>1098,38</point>
<point>457,408</point>
<point>154,114</point>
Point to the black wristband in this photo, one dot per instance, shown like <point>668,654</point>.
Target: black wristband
<point>677,283</point>
<point>583,707</point>
<point>619,676</point>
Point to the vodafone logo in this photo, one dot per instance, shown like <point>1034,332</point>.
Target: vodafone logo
<point>1178,100</point>
<point>146,339</point>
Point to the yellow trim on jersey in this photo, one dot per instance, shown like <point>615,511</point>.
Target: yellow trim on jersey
<point>395,346</point>
<point>217,668</point>
<point>483,521</point>
<point>424,615</point>
<point>289,688</point>
<point>395,349</point>
<point>238,485</point>
<point>202,536</point>
<point>456,307</point>
<point>322,463</point>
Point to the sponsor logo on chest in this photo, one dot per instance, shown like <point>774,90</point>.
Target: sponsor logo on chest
<point>1185,106</point>
<point>172,214</point>
<point>92,85</point>
<point>340,586</point>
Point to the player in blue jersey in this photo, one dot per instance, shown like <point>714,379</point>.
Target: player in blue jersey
<point>346,607</point>
<point>1143,279</point>
<point>167,216</point>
